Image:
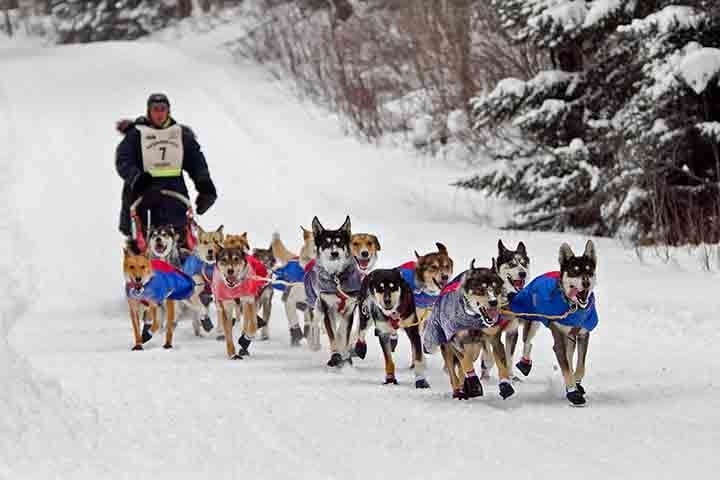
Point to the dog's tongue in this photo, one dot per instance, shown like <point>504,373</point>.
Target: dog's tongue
<point>363,263</point>
<point>493,313</point>
<point>574,293</point>
<point>519,284</point>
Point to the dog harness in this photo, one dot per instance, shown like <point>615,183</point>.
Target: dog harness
<point>291,272</point>
<point>167,283</point>
<point>318,280</point>
<point>248,289</point>
<point>194,266</point>
<point>451,315</point>
<point>423,299</point>
<point>544,296</point>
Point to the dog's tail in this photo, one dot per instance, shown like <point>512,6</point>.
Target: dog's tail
<point>279,250</point>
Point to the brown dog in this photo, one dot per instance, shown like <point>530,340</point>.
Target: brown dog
<point>365,247</point>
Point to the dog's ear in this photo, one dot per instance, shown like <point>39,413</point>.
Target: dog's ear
<point>244,239</point>
<point>441,248</point>
<point>521,249</point>
<point>126,253</point>
<point>417,255</point>
<point>307,234</point>
<point>317,227</point>
<point>376,242</point>
<point>590,251</point>
<point>472,264</point>
<point>346,226</point>
<point>494,265</point>
<point>566,254</point>
<point>501,248</point>
<point>220,230</point>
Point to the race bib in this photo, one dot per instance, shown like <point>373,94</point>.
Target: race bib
<point>162,150</point>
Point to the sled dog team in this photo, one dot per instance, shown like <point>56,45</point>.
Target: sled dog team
<point>480,314</point>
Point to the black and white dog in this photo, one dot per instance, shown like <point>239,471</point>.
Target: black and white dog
<point>513,267</point>
<point>163,244</point>
<point>388,301</point>
<point>332,286</point>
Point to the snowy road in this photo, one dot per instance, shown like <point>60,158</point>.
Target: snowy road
<point>76,403</point>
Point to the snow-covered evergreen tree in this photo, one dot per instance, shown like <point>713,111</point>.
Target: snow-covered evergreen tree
<point>80,21</point>
<point>620,137</point>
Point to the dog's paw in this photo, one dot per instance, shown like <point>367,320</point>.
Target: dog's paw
<point>207,324</point>
<point>167,346</point>
<point>459,394</point>
<point>261,322</point>
<point>506,389</point>
<point>361,349</point>
<point>336,360</point>
<point>390,380</point>
<point>576,398</point>
<point>236,357</point>
<point>146,333</point>
<point>524,366</point>
<point>220,338</point>
<point>580,388</point>
<point>137,348</point>
<point>473,387</point>
<point>421,383</point>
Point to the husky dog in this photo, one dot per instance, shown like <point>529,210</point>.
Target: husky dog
<point>163,244</point>
<point>564,302</point>
<point>332,286</point>
<point>265,255</point>
<point>513,267</point>
<point>236,289</point>
<point>200,266</point>
<point>388,302</point>
<point>465,319</point>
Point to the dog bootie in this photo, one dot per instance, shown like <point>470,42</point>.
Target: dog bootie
<point>576,398</point>
<point>261,322</point>
<point>580,388</point>
<point>306,330</point>
<point>361,349</point>
<point>420,382</point>
<point>296,335</point>
<point>390,379</point>
<point>137,348</point>
<point>244,341</point>
<point>146,333</point>
<point>336,360</point>
<point>506,389</point>
<point>472,387</point>
<point>459,394</point>
<point>524,365</point>
<point>206,324</point>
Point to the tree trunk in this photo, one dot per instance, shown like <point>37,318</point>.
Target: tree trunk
<point>8,23</point>
<point>184,8</point>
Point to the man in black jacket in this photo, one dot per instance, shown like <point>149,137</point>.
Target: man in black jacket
<point>152,156</point>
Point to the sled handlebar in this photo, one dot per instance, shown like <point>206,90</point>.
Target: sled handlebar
<point>168,193</point>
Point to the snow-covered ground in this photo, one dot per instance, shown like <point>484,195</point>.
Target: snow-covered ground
<point>75,402</point>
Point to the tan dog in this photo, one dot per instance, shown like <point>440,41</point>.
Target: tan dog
<point>365,248</point>
<point>138,272</point>
<point>236,293</point>
<point>201,267</point>
<point>237,242</point>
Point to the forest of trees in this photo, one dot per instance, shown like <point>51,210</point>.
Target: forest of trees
<point>600,116</point>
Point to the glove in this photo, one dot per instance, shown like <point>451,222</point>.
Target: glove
<point>206,195</point>
<point>142,183</point>
<point>124,125</point>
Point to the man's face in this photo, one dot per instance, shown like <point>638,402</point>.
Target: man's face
<point>159,114</point>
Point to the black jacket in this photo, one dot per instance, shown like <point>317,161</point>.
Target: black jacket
<point>129,165</point>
